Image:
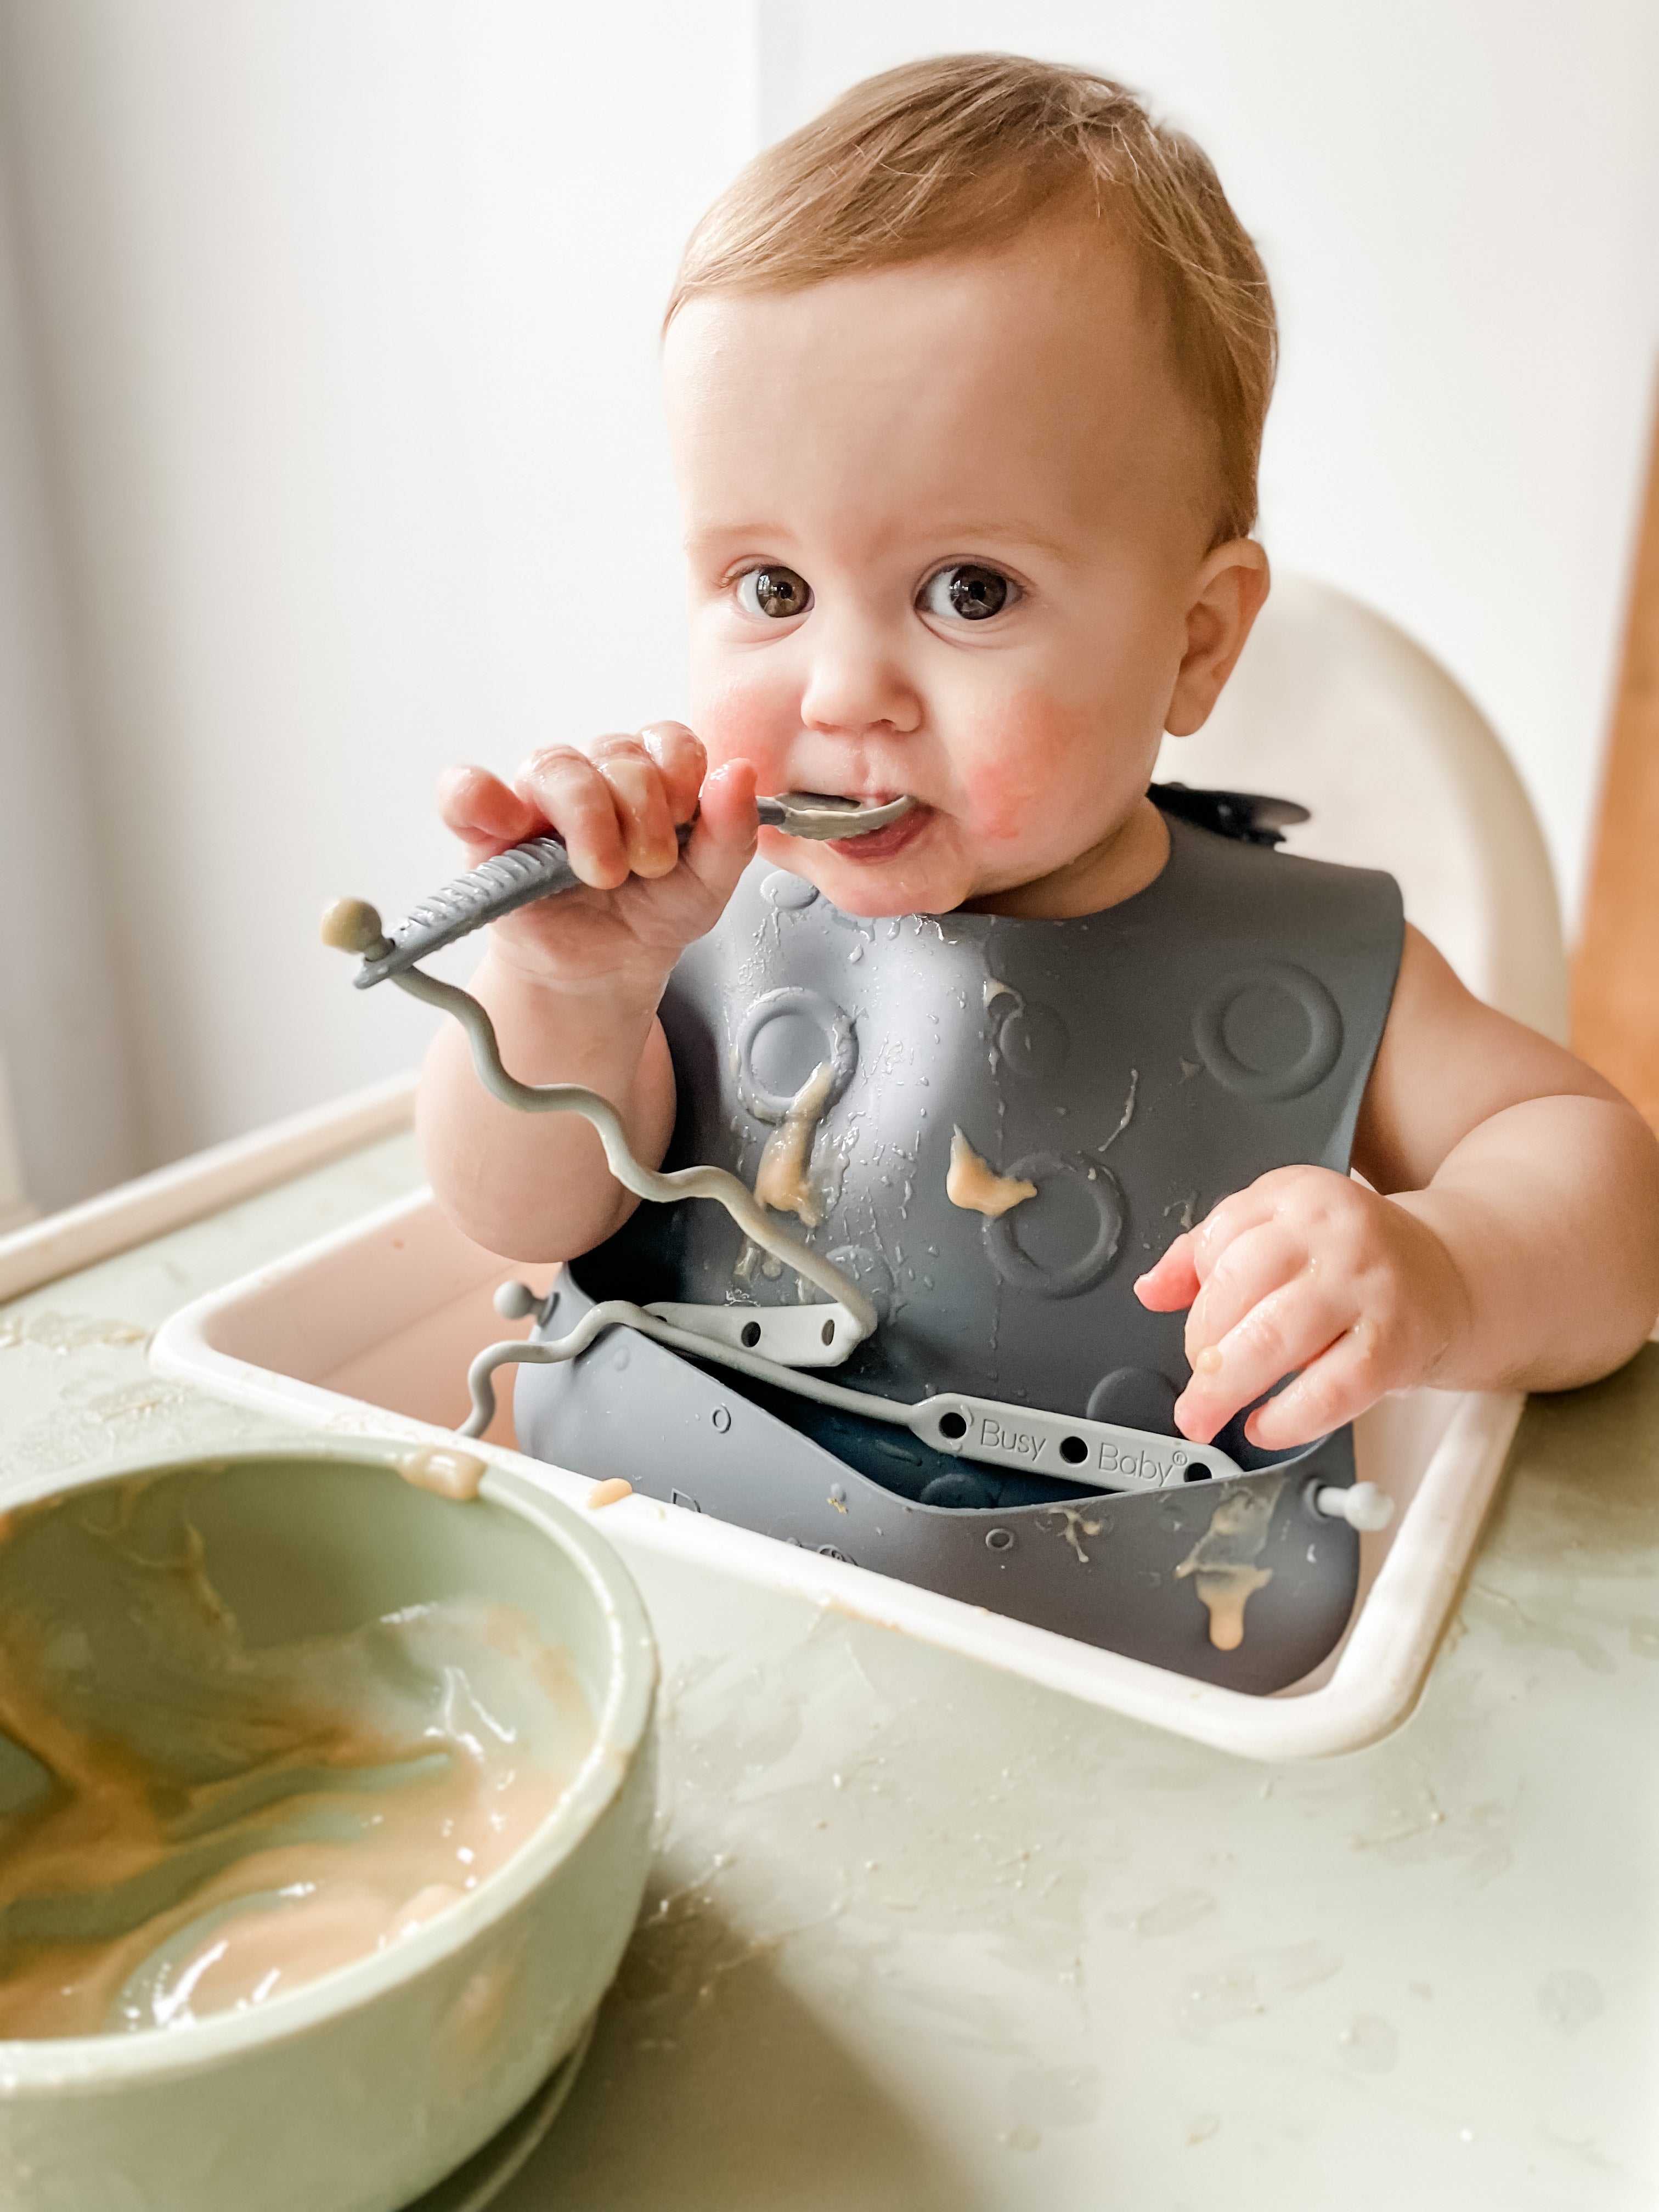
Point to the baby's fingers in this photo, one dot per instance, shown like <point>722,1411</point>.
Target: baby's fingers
<point>723,843</point>
<point>579,802</point>
<point>1239,1275</point>
<point>639,792</point>
<point>485,813</point>
<point>1285,1330</point>
<point>1335,1387</point>
<point>1191,1262</point>
<point>682,763</point>
<point>1171,1284</point>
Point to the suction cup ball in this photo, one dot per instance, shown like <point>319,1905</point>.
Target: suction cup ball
<point>352,926</point>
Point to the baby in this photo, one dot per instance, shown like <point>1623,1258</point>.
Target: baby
<point>966,384</point>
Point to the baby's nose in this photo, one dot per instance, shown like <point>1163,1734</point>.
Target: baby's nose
<point>855,684</point>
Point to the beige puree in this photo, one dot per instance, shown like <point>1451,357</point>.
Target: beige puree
<point>783,1181</point>
<point>1221,1562</point>
<point>294,1808</point>
<point>973,1184</point>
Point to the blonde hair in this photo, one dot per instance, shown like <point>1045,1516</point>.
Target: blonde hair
<point>964,152</point>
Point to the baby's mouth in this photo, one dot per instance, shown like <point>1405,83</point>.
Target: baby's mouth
<point>882,844</point>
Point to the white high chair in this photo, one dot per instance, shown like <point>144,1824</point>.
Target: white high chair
<point>1331,705</point>
<point>373,1326</point>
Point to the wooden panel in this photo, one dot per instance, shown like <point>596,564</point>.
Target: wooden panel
<point>1615,982</point>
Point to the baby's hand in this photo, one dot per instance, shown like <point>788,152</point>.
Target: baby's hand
<point>616,804</point>
<point>1305,1272</point>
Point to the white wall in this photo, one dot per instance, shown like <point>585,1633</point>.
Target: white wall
<point>347,312</point>
<point>342,315</point>
<point>70,1115</point>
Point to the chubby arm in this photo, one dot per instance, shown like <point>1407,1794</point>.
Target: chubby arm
<point>1510,1240</point>
<point>573,983</point>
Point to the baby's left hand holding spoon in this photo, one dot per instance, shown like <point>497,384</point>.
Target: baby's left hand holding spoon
<point>1309,1274</point>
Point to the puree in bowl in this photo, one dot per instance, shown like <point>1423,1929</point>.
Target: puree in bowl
<point>268,1815</point>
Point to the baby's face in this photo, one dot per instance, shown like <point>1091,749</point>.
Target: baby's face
<point>949,529</point>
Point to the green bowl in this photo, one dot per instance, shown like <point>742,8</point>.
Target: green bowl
<point>360,2090</point>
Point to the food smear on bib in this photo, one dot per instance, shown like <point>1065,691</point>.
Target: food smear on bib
<point>971,1183</point>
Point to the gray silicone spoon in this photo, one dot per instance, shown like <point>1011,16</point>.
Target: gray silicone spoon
<point>539,869</point>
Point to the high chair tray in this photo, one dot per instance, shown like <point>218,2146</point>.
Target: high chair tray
<point>371,1329</point>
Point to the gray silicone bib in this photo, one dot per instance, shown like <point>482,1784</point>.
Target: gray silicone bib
<point>1134,1066</point>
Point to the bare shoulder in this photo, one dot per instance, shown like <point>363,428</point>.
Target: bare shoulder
<point>1447,1063</point>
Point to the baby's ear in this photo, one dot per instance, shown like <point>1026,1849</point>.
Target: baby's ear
<point>1228,594</point>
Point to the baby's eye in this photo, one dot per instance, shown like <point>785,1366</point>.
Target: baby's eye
<point>967,592</point>
<point>776,592</point>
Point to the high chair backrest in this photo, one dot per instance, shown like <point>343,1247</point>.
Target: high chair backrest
<point>1331,705</point>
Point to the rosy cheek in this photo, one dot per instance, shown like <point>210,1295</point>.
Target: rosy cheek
<point>1026,757</point>
<point>743,717</point>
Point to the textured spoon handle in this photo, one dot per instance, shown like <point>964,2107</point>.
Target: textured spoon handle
<point>535,869</point>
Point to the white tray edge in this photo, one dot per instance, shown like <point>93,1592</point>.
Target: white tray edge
<point>1375,1684</point>
<point>150,1205</point>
